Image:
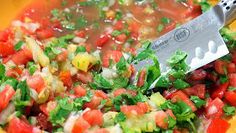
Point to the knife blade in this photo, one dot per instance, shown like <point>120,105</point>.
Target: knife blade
<point>199,38</point>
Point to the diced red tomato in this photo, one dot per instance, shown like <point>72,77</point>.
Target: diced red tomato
<point>169,93</point>
<point>102,40</point>
<point>234,57</point>
<point>80,34</point>
<point>180,95</point>
<point>100,93</point>
<point>94,103</point>
<point>6,94</point>
<point>197,90</point>
<point>139,109</point>
<point>80,126</point>
<point>230,96</point>
<point>93,117</point>
<point>101,130</point>
<point>141,78</point>
<point>36,82</point>
<point>218,125</point>
<point>18,126</point>
<point>14,72</point>
<point>161,119</point>
<point>48,107</point>
<point>79,91</point>
<point>44,33</point>
<point>114,55</point>
<point>84,77</point>
<point>22,56</point>
<point>214,109</point>
<point>121,38</point>
<point>232,79</point>
<point>220,66</point>
<point>62,56</point>
<point>134,27</point>
<point>65,77</point>
<point>120,91</point>
<point>6,35</point>
<point>220,91</point>
<point>6,49</point>
<point>231,68</point>
<point>199,74</point>
<point>42,121</point>
<point>119,25</point>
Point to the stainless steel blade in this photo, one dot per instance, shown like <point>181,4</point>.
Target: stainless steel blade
<point>200,38</point>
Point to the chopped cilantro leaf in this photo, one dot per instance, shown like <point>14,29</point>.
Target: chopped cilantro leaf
<point>160,28</point>
<point>2,71</point>
<point>197,101</point>
<point>80,49</point>
<point>18,45</point>
<point>121,66</point>
<point>120,117</point>
<point>116,33</point>
<point>180,84</point>
<point>231,88</point>
<point>32,67</point>
<point>165,20</point>
<point>81,22</point>
<point>229,110</point>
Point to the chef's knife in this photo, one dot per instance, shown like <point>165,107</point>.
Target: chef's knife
<point>199,38</point>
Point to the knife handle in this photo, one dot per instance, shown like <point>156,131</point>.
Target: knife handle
<point>229,10</point>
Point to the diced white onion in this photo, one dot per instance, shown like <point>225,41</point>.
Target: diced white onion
<point>68,126</point>
<point>78,40</point>
<point>109,73</point>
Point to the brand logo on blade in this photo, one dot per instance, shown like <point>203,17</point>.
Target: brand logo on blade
<point>181,34</point>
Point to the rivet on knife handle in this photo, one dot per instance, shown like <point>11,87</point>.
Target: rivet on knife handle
<point>228,8</point>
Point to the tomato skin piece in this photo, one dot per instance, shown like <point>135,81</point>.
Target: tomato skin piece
<point>120,91</point>
<point>214,109</point>
<point>6,49</point>
<point>161,118</point>
<point>80,91</point>
<point>232,79</point>
<point>36,82</point>
<point>102,40</point>
<point>93,117</point>
<point>231,68</point>
<point>220,91</point>
<point>198,90</point>
<point>230,96</point>
<point>141,79</point>
<point>22,56</point>
<point>80,126</point>
<point>18,126</point>
<point>218,125</point>
<point>6,94</point>
<point>219,66</point>
<point>65,77</point>
<point>180,95</point>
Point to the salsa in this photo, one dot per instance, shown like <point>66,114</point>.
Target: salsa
<point>66,66</point>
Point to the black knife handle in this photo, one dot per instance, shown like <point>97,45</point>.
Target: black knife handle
<point>229,10</point>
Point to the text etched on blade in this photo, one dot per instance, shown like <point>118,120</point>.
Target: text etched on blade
<point>182,34</point>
